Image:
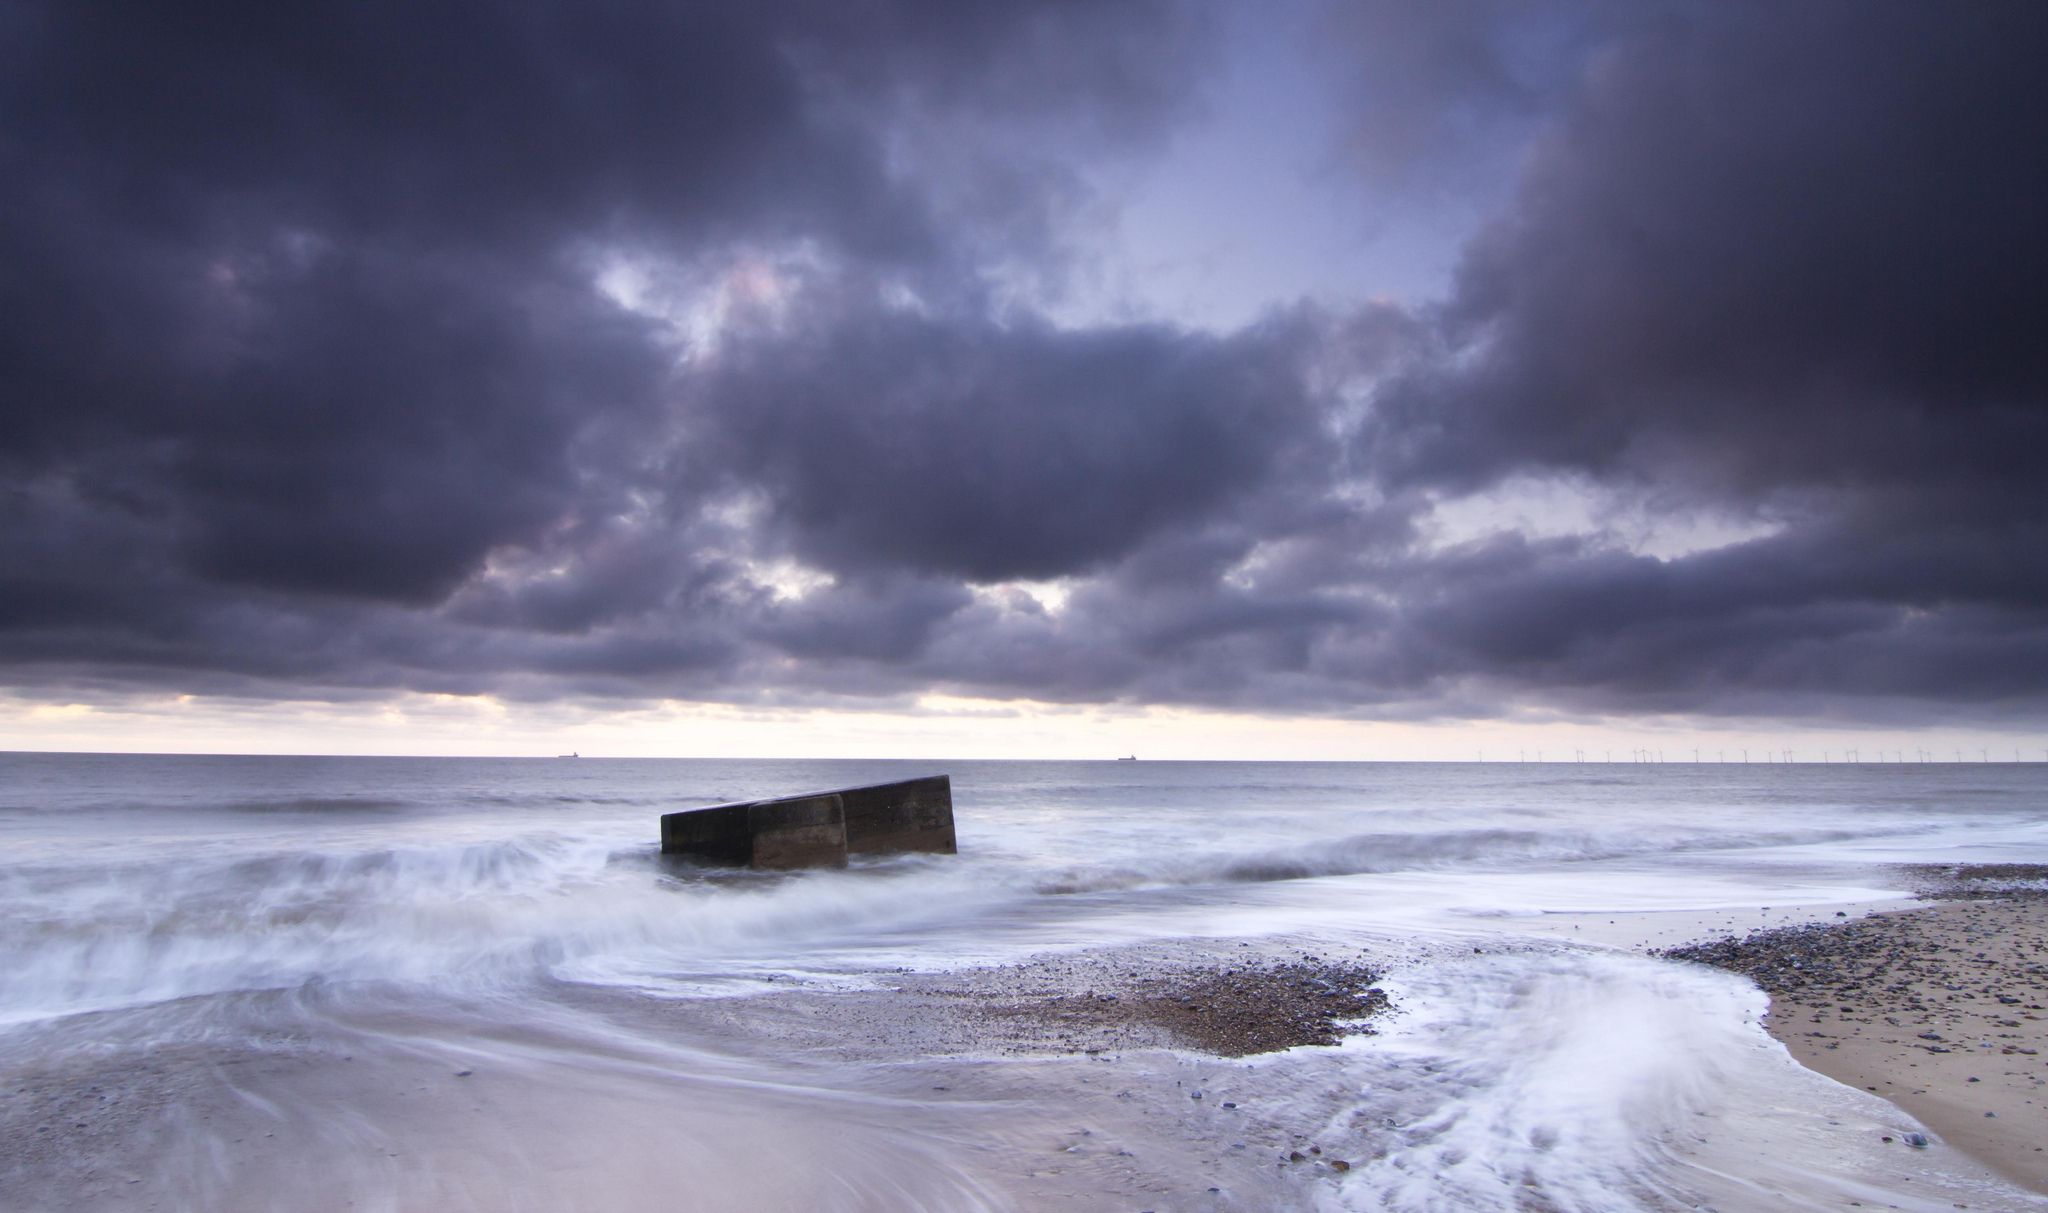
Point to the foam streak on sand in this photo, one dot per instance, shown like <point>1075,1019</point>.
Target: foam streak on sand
<point>1939,1010</point>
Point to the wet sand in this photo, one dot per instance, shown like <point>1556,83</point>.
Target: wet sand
<point>1939,1009</point>
<point>1100,1078</point>
<point>1126,1094</point>
<point>1174,1015</point>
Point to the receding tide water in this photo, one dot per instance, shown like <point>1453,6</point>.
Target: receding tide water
<point>330,983</point>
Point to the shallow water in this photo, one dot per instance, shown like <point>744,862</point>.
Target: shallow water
<point>418,916</point>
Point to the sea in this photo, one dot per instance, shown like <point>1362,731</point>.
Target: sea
<point>305,983</point>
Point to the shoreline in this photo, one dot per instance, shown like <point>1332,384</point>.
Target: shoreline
<point>1832,1014</point>
<point>1151,1078</point>
<point>1938,1008</point>
<point>1203,1008</point>
<point>1164,1077</point>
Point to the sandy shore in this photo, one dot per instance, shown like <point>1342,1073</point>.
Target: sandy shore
<point>1938,1009</point>
<point>1109,1079</point>
<point>1152,1078</point>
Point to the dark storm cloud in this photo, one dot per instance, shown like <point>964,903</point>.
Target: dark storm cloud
<point>1793,247</point>
<point>301,283</point>
<point>319,376</point>
<point>1777,265</point>
<point>1769,259</point>
<point>953,445</point>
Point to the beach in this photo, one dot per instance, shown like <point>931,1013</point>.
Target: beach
<point>1176,988</point>
<point>1938,1009</point>
<point>1140,1078</point>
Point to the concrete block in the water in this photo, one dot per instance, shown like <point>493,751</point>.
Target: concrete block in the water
<point>793,832</point>
<point>820,829</point>
<point>913,815</point>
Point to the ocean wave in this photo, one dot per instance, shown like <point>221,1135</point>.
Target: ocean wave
<point>482,916</point>
<point>1383,852</point>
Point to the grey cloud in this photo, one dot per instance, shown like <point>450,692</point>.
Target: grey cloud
<point>988,451</point>
<point>1773,260</point>
<point>1442,93</point>
<point>305,387</point>
<point>304,280</point>
<point>889,622</point>
<point>1773,248</point>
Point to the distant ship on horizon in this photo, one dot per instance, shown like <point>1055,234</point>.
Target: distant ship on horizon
<point>1132,758</point>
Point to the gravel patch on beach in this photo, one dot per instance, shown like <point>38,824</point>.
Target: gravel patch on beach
<point>1978,881</point>
<point>70,1134</point>
<point>1229,1011</point>
<point>1910,963</point>
<point>1214,1000</point>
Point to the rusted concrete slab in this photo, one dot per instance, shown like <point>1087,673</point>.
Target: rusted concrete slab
<point>819,829</point>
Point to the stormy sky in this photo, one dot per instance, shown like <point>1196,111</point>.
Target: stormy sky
<point>1378,361</point>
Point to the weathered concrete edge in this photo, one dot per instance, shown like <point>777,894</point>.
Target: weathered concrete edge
<point>819,828</point>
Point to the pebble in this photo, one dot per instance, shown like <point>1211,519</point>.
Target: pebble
<point>1232,1010</point>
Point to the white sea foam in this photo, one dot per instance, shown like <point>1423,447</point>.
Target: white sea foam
<point>494,880</point>
<point>1577,1074</point>
<point>1610,1082</point>
<point>1567,1074</point>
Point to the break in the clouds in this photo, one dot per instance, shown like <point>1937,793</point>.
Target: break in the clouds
<point>732,352</point>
